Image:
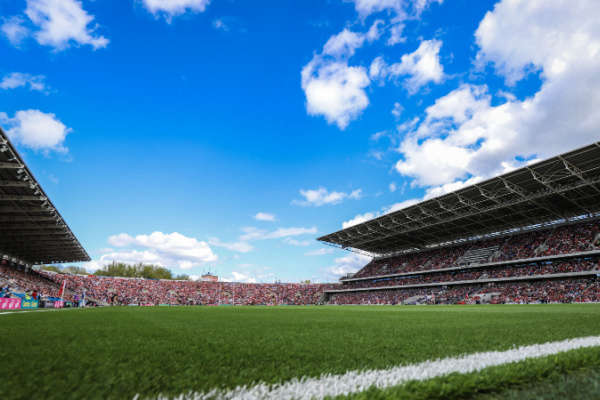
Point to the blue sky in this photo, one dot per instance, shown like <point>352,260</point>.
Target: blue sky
<point>228,135</point>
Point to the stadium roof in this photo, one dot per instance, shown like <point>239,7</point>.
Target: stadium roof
<point>560,188</point>
<point>32,230</point>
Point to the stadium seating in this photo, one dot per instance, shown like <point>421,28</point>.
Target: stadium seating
<point>530,255</point>
<point>115,291</point>
<point>541,291</point>
<point>15,279</point>
<point>579,265</point>
<point>561,240</point>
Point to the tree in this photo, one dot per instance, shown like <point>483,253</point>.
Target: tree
<point>140,270</point>
<point>75,270</point>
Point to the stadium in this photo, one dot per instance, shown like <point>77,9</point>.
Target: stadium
<point>531,236</point>
<point>314,200</point>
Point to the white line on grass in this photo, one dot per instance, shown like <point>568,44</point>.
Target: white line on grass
<point>32,311</point>
<point>359,381</point>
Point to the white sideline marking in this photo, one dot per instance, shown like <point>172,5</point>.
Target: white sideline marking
<point>31,311</point>
<point>359,381</point>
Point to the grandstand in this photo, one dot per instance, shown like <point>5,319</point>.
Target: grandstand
<point>33,231</point>
<point>531,235</point>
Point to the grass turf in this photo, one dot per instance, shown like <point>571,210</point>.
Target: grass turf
<point>577,385</point>
<point>120,352</point>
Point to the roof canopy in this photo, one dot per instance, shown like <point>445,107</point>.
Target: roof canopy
<point>560,188</point>
<point>31,229</point>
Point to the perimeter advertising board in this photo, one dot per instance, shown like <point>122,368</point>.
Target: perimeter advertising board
<point>10,304</point>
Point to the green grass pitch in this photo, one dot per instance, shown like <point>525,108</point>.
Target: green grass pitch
<point>123,351</point>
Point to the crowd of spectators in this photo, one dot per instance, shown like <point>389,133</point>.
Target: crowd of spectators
<point>19,279</point>
<point>492,272</point>
<point>554,241</point>
<point>541,291</point>
<point>123,291</point>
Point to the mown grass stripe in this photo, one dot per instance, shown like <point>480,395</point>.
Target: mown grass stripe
<point>351,382</point>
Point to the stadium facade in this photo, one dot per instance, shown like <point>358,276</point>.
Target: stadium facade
<point>529,235</point>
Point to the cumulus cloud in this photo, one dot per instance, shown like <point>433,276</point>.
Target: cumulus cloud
<point>252,233</point>
<point>36,130</point>
<point>335,90</point>
<point>344,43</point>
<point>401,8</point>
<point>14,30</point>
<point>419,67</point>
<point>165,249</point>
<point>240,247</point>
<point>396,34</point>
<point>465,136</point>
<point>263,216</point>
<point>321,196</point>
<point>348,264</point>
<point>365,8</point>
<point>57,23</point>
<point>172,8</point>
<point>17,79</point>
<point>397,110</point>
<point>332,87</point>
<point>360,218</point>
<point>393,187</point>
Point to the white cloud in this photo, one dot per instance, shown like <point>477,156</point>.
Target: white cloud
<point>421,67</point>
<point>296,242</point>
<point>61,23</point>
<point>240,247</point>
<point>173,8</point>
<point>348,264</point>
<point>321,196</point>
<point>392,186</point>
<point>18,79</point>
<point>220,25</point>
<point>421,5</point>
<point>464,136</point>
<point>15,30</point>
<point>374,31</point>
<point>263,216</point>
<point>252,233</point>
<point>367,7</point>
<point>359,219</point>
<point>378,135</point>
<point>397,110</point>
<point>332,87</point>
<point>396,34</point>
<point>319,252</point>
<point>441,190</point>
<point>240,277</point>
<point>399,206</point>
<point>344,44</point>
<point>248,273</point>
<point>36,130</point>
<point>335,90</point>
<point>401,7</point>
<point>165,249</point>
